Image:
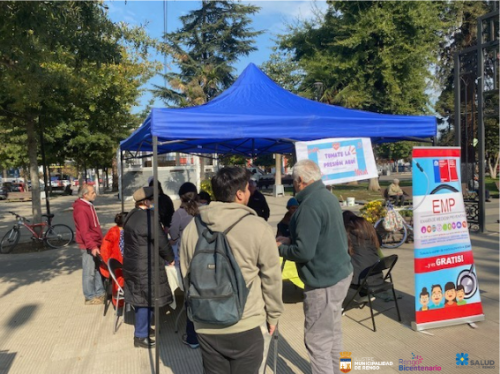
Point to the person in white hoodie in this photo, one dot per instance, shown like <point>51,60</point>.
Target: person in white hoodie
<point>240,348</point>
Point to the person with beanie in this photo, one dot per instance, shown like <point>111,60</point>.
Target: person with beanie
<point>284,224</point>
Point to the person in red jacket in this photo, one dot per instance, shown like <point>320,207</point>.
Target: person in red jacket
<point>112,247</point>
<point>89,239</point>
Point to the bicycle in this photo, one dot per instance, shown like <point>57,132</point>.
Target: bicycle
<point>395,238</point>
<point>56,236</point>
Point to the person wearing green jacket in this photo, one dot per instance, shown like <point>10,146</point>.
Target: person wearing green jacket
<point>318,246</point>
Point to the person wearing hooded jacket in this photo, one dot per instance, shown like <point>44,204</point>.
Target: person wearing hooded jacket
<point>240,348</point>
<point>89,239</point>
<point>138,265</point>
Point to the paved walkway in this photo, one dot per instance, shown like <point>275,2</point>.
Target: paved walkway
<point>45,328</point>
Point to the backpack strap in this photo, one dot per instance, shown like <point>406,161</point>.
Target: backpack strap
<point>202,226</point>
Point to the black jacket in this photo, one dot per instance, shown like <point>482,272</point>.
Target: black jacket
<point>138,259</point>
<point>258,203</point>
<point>166,209</point>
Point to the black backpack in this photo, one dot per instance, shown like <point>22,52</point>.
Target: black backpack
<point>216,290</point>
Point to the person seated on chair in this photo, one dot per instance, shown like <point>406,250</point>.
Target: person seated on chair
<point>284,224</point>
<point>112,247</point>
<point>364,247</point>
<point>395,193</point>
<point>474,185</point>
<point>138,267</point>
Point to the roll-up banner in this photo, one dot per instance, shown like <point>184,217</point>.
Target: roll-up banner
<point>340,160</point>
<point>446,286</point>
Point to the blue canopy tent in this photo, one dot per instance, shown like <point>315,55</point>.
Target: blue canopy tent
<point>253,117</point>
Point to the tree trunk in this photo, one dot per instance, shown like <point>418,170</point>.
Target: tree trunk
<point>97,186</point>
<point>106,182</point>
<point>114,169</point>
<point>36,204</point>
<point>277,178</point>
<point>493,168</point>
<point>374,185</point>
<point>202,168</point>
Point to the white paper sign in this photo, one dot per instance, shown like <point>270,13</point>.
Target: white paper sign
<point>340,160</point>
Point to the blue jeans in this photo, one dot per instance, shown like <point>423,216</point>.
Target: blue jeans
<point>91,278</point>
<point>143,317</point>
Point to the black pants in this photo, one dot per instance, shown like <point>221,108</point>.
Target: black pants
<point>240,353</point>
<point>398,199</point>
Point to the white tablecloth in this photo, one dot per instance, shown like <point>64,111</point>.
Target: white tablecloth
<point>174,281</point>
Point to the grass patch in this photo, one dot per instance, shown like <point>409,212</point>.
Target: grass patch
<point>491,186</point>
<point>359,191</point>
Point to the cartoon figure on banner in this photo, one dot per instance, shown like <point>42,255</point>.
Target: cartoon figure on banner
<point>461,295</point>
<point>345,362</point>
<point>424,299</point>
<point>437,297</point>
<point>450,294</point>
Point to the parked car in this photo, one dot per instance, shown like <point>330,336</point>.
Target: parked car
<point>3,193</point>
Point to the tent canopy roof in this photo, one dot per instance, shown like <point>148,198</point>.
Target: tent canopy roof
<point>256,116</point>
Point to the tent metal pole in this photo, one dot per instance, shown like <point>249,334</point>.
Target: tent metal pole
<point>156,237</point>
<point>122,198</point>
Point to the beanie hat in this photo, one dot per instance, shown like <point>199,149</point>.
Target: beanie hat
<point>187,187</point>
<point>143,193</point>
<point>292,202</point>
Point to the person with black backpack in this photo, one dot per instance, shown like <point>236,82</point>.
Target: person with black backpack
<point>232,278</point>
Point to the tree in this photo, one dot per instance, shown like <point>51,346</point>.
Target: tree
<point>374,56</point>
<point>284,70</point>
<point>461,35</point>
<point>48,75</point>
<point>210,41</point>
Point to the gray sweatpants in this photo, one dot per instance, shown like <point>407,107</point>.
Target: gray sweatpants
<point>323,325</point>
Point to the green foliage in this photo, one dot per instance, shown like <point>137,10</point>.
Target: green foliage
<point>370,55</point>
<point>395,151</point>
<point>284,70</point>
<point>69,73</point>
<point>211,39</point>
<point>461,35</point>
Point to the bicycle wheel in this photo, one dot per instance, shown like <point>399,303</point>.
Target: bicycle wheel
<point>390,239</point>
<point>10,240</point>
<point>58,236</point>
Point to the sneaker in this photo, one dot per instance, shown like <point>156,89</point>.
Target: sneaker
<point>192,346</point>
<point>95,301</point>
<point>364,299</point>
<point>144,342</point>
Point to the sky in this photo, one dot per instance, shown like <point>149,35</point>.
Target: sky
<point>272,19</point>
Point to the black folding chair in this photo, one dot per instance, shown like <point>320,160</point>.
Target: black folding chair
<point>370,287</point>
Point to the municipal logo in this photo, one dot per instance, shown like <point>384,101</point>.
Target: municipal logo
<point>345,362</point>
<point>462,359</point>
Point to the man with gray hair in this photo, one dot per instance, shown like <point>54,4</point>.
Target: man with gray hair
<point>395,193</point>
<point>318,246</point>
<point>89,239</point>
